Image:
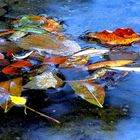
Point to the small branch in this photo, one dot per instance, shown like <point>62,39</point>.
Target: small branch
<point>43,115</point>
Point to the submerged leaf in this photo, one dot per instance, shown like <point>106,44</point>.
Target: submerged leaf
<point>44,81</point>
<point>90,92</point>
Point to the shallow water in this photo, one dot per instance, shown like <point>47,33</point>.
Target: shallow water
<point>119,120</point>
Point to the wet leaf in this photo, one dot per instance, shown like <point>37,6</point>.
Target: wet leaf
<point>121,36</point>
<point>90,51</point>
<point>44,81</point>
<point>18,100</point>
<point>51,26</point>
<point>14,88</point>
<point>17,35</point>
<point>90,92</point>
<point>114,63</point>
<point>135,69</point>
<point>52,59</point>
<point>74,62</point>
<point>30,30</point>
<point>58,45</point>
<point>10,70</point>
<point>21,64</point>
<point>6,32</point>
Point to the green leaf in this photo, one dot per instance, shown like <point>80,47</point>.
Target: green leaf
<point>24,20</point>
<point>31,30</point>
<point>90,92</point>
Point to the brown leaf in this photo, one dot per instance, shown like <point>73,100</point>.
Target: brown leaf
<point>14,87</point>
<point>90,92</point>
<point>58,45</point>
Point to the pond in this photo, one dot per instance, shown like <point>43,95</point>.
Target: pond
<point>119,119</point>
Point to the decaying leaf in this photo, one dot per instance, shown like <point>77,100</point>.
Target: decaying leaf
<point>114,63</point>
<point>44,81</point>
<point>121,36</point>
<point>58,45</point>
<point>90,92</point>
<point>14,88</point>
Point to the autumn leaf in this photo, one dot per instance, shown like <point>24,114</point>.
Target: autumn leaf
<point>52,44</point>
<point>14,88</point>
<point>121,36</point>
<point>52,59</point>
<point>90,52</point>
<point>114,63</point>
<point>44,81</point>
<point>6,32</point>
<point>90,92</point>
<point>74,62</point>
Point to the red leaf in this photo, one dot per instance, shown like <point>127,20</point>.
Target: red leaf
<point>54,60</point>
<point>21,64</point>
<point>10,70</point>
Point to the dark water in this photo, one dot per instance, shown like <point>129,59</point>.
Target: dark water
<point>120,118</point>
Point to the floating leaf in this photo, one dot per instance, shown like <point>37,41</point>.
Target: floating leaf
<point>17,35</point>
<point>58,45</point>
<point>114,63</point>
<point>18,100</point>
<point>90,51</point>
<point>30,30</point>
<point>74,62</point>
<point>44,81</point>
<point>51,26</point>
<point>14,87</point>
<point>6,32</point>
<point>90,92</point>
<point>135,69</point>
<point>54,59</point>
<point>121,36</point>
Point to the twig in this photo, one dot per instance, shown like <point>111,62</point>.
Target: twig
<point>43,115</point>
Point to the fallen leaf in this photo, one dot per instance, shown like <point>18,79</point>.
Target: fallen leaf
<point>58,45</point>
<point>52,59</point>
<point>114,63</point>
<point>74,62</point>
<point>121,36</point>
<point>6,32</point>
<point>17,35</point>
<point>14,88</point>
<point>21,64</point>
<point>90,51</point>
<point>18,100</point>
<point>90,92</point>
<point>44,81</point>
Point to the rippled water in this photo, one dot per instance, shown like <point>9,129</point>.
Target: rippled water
<point>120,118</point>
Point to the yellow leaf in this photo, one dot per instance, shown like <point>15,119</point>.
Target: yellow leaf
<point>18,100</point>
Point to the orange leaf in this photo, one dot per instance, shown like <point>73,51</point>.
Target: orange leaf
<point>6,32</point>
<point>54,60</point>
<point>51,25</point>
<point>21,64</point>
<point>121,36</point>
<point>114,63</point>
<point>10,70</point>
